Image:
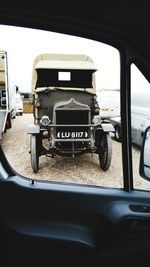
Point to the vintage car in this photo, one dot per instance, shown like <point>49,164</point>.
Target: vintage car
<point>66,112</point>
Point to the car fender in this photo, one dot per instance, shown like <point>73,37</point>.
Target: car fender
<point>33,129</point>
<point>107,127</point>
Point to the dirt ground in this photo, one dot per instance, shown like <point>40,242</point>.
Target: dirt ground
<point>83,169</point>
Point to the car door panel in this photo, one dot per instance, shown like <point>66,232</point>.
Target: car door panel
<point>79,221</point>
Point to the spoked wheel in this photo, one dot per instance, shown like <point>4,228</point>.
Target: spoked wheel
<point>34,148</point>
<point>105,152</point>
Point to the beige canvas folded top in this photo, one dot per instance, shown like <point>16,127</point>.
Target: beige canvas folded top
<point>62,62</point>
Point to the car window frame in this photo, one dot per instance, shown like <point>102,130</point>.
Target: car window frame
<point>125,101</point>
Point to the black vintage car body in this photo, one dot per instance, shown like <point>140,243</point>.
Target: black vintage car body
<point>66,113</point>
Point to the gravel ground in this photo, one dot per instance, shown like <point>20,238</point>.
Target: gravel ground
<point>83,169</point>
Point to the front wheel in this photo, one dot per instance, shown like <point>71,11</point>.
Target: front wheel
<point>34,153</point>
<point>105,152</point>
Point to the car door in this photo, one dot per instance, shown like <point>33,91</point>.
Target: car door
<point>44,223</point>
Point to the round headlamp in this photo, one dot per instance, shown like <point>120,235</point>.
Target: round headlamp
<point>97,120</point>
<point>45,121</point>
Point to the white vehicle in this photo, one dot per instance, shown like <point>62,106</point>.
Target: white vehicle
<point>18,104</point>
<point>109,102</point>
<point>7,104</point>
<point>5,108</point>
<point>116,122</point>
<point>140,116</point>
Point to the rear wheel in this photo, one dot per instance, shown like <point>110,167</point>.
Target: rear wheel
<point>105,151</point>
<point>34,150</point>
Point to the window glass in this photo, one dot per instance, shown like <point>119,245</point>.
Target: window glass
<point>64,105</point>
<point>140,120</point>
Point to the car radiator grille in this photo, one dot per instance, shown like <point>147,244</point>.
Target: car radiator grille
<point>72,117</point>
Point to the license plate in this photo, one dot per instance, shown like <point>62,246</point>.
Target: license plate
<point>72,135</point>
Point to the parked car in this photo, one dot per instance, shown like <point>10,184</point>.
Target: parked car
<point>116,122</point>
<point>18,104</point>
<point>140,116</point>
<point>109,102</point>
<point>66,111</point>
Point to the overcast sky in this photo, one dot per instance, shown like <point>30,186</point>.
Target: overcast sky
<point>23,45</point>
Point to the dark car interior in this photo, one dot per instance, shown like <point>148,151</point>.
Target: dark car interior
<point>48,223</point>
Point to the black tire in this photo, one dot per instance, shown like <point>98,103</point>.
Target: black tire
<point>118,133</point>
<point>34,153</point>
<point>8,124</point>
<point>105,152</point>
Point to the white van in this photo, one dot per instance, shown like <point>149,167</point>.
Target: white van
<point>109,103</point>
<point>140,116</point>
<point>18,104</point>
